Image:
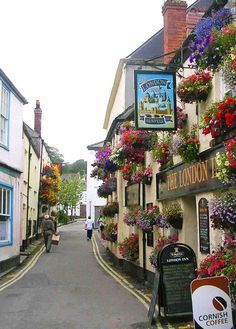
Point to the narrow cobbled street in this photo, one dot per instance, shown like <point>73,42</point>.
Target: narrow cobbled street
<point>68,289</point>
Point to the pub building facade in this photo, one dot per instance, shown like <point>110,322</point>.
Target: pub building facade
<point>190,184</point>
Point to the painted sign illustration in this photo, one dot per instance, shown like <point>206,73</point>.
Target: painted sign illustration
<point>155,102</point>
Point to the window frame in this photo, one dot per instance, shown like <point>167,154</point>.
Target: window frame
<point>9,240</point>
<point>6,116</point>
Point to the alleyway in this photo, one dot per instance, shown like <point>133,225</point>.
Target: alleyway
<point>68,289</point>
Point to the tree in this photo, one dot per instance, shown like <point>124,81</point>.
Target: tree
<point>79,166</point>
<point>54,154</point>
<point>70,193</point>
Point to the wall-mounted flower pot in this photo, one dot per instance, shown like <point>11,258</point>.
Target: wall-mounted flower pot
<point>176,222</point>
<point>147,180</point>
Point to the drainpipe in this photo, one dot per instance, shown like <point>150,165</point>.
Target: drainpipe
<point>144,237</point>
<point>27,197</point>
<point>40,171</point>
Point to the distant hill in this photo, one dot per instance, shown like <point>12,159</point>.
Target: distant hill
<point>79,166</point>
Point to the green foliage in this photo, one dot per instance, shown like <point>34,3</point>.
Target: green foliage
<point>111,209</point>
<point>54,154</point>
<point>71,192</point>
<point>79,166</point>
<point>61,217</point>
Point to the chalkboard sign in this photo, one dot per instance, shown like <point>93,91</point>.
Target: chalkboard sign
<point>177,263</point>
<point>171,287</point>
<point>203,211</point>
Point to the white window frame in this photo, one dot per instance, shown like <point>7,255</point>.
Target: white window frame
<point>4,116</point>
<point>6,197</point>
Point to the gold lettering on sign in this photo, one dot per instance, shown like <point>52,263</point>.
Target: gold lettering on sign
<point>172,182</point>
<point>197,173</point>
<point>213,167</point>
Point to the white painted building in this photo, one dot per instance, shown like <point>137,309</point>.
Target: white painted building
<point>94,203</point>
<point>11,168</point>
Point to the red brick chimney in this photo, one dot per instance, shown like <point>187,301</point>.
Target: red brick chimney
<point>37,118</point>
<point>192,17</point>
<point>174,14</point>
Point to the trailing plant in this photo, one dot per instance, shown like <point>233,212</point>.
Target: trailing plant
<point>181,118</point>
<point>203,33</point>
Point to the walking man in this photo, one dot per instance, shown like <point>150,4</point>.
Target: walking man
<point>89,227</point>
<point>48,229</point>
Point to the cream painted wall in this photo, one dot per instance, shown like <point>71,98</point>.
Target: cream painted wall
<point>33,186</point>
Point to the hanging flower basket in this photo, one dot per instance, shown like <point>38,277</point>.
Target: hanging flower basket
<point>174,215</point>
<point>219,117</point>
<point>129,248</point>
<point>176,222</point>
<point>195,88</point>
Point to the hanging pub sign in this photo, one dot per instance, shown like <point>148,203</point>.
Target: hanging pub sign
<point>155,101</point>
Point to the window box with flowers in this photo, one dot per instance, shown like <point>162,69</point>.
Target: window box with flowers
<point>161,242</point>
<point>129,248</point>
<point>219,117</point>
<point>109,232</point>
<point>195,88</point>
<point>174,215</point>
<point>186,144</point>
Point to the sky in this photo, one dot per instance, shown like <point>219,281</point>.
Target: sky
<point>65,53</point>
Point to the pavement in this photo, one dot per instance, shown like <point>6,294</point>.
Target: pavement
<point>52,276</point>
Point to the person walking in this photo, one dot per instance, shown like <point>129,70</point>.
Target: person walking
<point>89,227</point>
<point>48,229</point>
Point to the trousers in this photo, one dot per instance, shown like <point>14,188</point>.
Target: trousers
<point>48,241</point>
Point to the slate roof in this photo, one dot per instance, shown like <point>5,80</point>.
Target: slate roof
<point>128,114</point>
<point>154,47</point>
<point>95,146</point>
<point>34,138</point>
<point>12,87</point>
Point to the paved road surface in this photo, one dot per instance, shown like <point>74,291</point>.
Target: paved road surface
<point>68,289</point>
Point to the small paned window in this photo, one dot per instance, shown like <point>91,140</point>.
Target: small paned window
<point>5,215</point>
<point>4,116</point>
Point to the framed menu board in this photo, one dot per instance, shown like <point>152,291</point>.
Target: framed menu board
<point>204,236</point>
<point>132,195</point>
